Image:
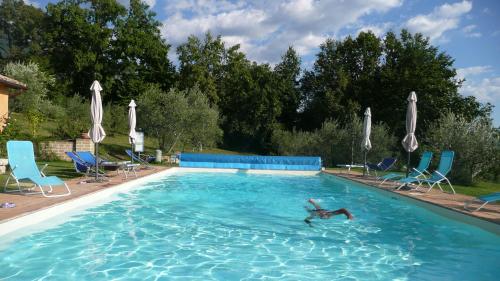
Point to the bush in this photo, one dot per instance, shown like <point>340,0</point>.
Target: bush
<point>476,145</point>
<point>115,119</point>
<point>33,101</point>
<point>73,119</point>
<point>10,132</point>
<point>334,143</point>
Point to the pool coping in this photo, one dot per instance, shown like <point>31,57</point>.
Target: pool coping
<point>451,213</point>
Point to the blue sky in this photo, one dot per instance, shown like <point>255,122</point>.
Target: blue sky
<point>468,30</point>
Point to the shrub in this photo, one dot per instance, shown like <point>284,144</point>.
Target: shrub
<point>334,143</point>
<point>476,145</point>
<point>115,119</point>
<point>33,101</point>
<point>73,119</point>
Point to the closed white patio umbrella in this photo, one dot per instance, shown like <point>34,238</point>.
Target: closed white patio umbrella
<point>96,133</point>
<point>132,135</point>
<point>409,142</point>
<point>367,128</point>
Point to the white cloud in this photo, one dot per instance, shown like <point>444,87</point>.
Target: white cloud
<point>473,71</point>
<point>32,3</point>
<point>470,31</point>
<point>485,90</point>
<point>151,3</point>
<point>443,18</point>
<point>265,29</point>
<point>379,30</point>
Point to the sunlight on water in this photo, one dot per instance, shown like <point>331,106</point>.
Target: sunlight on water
<point>205,226</point>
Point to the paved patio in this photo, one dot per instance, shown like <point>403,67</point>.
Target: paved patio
<point>455,202</point>
<point>29,203</point>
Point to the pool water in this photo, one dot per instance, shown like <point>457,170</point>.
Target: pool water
<point>218,226</point>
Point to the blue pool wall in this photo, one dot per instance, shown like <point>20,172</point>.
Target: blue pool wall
<point>250,162</point>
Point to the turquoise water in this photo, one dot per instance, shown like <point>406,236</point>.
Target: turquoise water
<point>210,226</point>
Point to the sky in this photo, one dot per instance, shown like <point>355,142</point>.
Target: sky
<point>467,30</point>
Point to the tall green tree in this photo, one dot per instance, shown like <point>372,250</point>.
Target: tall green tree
<point>288,72</point>
<point>323,87</point>
<point>20,31</point>
<point>78,38</point>
<point>201,63</point>
<point>140,53</point>
<point>250,102</point>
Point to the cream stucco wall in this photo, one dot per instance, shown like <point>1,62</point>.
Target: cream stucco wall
<point>4,105</point>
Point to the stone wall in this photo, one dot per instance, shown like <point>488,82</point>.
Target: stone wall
<point>57,149</point>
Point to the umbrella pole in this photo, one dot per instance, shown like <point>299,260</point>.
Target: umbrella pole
<point>364,168</point>
<point>408,165</point>
<point>96,160</point>
<point>132,154</point>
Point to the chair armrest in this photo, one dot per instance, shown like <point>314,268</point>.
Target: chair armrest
<point>43,168</point>
<point>443,176</point>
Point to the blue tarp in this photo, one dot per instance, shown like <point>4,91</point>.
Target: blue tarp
<point>201,160</point>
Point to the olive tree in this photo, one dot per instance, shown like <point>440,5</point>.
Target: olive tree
<point>178,117</point>
<point>475,144</point>
<point>33,102</point>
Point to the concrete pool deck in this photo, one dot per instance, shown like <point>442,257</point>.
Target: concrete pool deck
<point>454,202</point>
<point>26,204</point>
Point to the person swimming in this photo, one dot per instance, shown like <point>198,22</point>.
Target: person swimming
<point>324,214</point>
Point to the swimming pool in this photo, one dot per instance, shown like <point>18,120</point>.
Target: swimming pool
<point>219,226</point>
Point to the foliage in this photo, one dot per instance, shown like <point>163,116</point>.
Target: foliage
<point>11,131</point>
<point>141,53</point>
<point>476,144</point>
<point>335,144</point>
<point>33,101</point>
<point>201,63</point>
<point>74,119</point>
<point>288,72</point>
<point>115,119</point>
<point>100,40</point>
<point>203,127</point>
<point>177,117</point>
<point>20,31</point>
<point>353,74</point>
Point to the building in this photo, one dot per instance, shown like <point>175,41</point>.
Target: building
<point>8,87</point>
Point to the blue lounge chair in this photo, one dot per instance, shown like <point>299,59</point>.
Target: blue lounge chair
<point>383,166</point>
<point>418,172</point>
<point>437,177</point>
<point>485,199</point>
<point>80,165</point>
<point>90,159</point>
<point>24,169</point>
<point>138,159</point>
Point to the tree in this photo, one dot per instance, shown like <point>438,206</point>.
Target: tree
<point>139,53</point>
<point>78,37</point>
<point>201,63</point>
<point>203,120</point>
<point>249,103</point>
<point>288,71</point>
<point>169,117</point>
<point>32,102</point>
<point>475,143</point>
<point>20,31</point>
<point>323,88</point>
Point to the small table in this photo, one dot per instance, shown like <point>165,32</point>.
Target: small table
<point>349,166</point>
<point>123,166</point>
